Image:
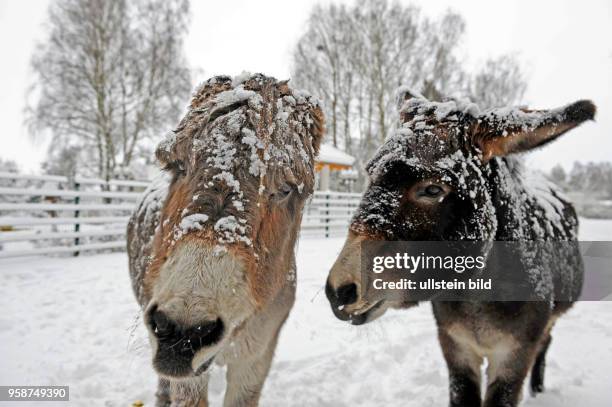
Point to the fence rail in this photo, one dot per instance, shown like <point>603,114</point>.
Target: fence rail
<point>77,180</point>
<point>49,214</point>
<point>69,194</point>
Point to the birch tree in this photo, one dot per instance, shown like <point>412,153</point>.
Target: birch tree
<point>354,59</point>
<point>110,76</point>
<point>499,82</point>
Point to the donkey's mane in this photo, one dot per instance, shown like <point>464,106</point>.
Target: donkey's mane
<point>242,128</point>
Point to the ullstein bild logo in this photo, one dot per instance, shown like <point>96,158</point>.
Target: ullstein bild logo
<point>486,271</point>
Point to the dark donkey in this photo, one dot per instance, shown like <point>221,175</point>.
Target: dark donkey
<point>446,174</point>
<point>211,244</point>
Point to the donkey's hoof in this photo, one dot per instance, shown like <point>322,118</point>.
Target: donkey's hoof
<point>536,388</point>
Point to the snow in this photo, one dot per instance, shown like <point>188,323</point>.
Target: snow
<point>540,188</point>
<point>331,155</point>
<point>231,128</point>
<point>500,118</point>
<point>230,97</point>
<point>419,106</point>
<point>230,229</point>
<point>515,118</point>
<point>193,222</point>
<point>74,321</point>
<point>168,142</point>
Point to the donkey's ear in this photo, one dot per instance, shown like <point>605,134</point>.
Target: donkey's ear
<point>165,151</point>
<point>500,132</point>
<point>405,93</point>
<point>408,111</point>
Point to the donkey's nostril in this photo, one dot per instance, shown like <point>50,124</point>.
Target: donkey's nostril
<point>343,295</point>
<point>177,343</point>
<point>347,294</point>
<point>160,324</point>
<point>207,333</point>
<point>180,338</point>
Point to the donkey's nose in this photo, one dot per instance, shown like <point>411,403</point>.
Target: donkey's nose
<point>342,296</point>
<point>187,339</point>
<point>160,324</point>
<point>177,344</point>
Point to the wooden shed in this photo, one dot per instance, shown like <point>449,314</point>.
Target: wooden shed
<point>331,159</point>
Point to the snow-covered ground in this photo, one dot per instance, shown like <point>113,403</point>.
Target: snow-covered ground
<point>73,321</point>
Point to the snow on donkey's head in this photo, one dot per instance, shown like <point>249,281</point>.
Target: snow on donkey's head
<point>241,164</point>
<point>439,178</point>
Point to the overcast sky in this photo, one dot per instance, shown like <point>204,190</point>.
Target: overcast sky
<point>565,46</point>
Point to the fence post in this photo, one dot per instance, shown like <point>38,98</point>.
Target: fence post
<point>349,207</point>
<point>77,226</point>
<point>327,197</point>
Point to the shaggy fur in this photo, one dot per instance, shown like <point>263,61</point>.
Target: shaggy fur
<point>444,175</point>
<point>211,245</point>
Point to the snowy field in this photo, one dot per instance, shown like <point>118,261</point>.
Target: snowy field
<point>73,321</point>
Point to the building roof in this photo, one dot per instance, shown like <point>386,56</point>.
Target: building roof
<point>329,154</point>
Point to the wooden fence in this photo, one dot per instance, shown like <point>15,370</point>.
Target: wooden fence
<point>49,214</point>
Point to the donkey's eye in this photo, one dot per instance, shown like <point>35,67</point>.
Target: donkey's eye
<point>433,191</point>
<point>283,191</point>
<point>427,192</point>
<point>176,166</point>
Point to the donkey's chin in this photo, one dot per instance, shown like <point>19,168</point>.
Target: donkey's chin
<point>183,371</point>
<point>204,367</point>
<point>177,367</point>
<point>362,315</point>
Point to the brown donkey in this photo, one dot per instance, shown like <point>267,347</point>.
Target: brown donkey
<point>211,244</point>
<point>446,175</point>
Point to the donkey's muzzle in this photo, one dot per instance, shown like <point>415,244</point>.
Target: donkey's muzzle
<point>178,344</point>
<point>341,297</point>
<point>190,338</point>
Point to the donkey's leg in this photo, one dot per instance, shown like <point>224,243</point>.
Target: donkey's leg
<point>191,394</point>
<point>163,393</point>
<point>463,372</point>
<point>245,378</point>
<point>539,366</point>
<point>506,372</point>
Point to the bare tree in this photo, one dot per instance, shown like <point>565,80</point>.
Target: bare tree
<point>324,60</point>
<point>109,77</point>
<point>594,179</point>
<point>355,58</point>
<point>8,166</point>
<point>62,161</point>
<point>558,175</point>
<point>500,82</point>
